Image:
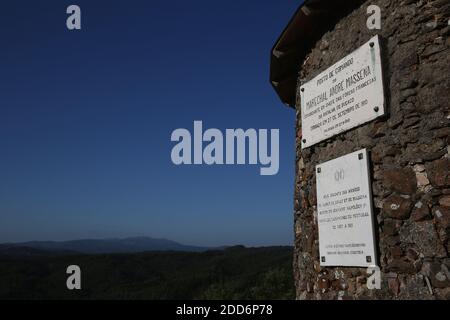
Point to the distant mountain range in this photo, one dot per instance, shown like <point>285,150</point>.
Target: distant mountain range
<point>102,246</point>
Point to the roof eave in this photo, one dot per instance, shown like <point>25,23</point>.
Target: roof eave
<point>311,20</point>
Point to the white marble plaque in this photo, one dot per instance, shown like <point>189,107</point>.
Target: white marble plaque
<point>344,96</point>
<point>345,213</point>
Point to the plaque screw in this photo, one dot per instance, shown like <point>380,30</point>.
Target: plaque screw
<point>372,44</point>
<point>376,109</point>
<point>369,259</point>
<point>319,170</point>
<point>304,140</point>
<point>302,89</point>
<point>323,259</point>
<point>360,156</point>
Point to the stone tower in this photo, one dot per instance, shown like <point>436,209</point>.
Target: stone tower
<point>408,146</point>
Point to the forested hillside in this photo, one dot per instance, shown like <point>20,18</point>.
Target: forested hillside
<point>233,273</point>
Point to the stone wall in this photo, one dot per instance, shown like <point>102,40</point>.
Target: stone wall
<point>409,157</point>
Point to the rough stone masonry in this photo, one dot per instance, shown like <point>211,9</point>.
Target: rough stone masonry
<point>409,153</point>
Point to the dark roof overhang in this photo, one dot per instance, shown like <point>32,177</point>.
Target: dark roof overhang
<point>307,26</point>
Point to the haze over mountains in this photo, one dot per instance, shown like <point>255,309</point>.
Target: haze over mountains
<point>102,246</point>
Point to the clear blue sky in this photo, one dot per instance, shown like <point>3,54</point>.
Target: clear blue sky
<point>86,119</point>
